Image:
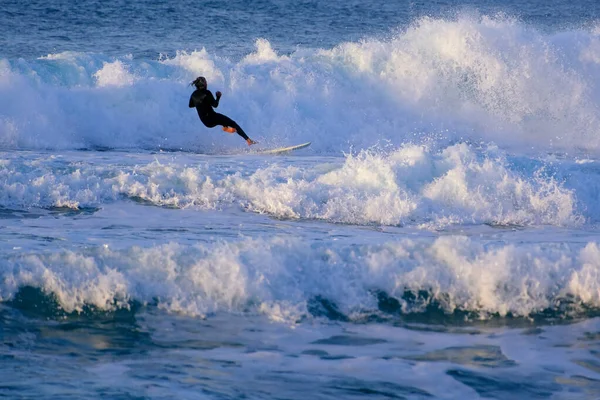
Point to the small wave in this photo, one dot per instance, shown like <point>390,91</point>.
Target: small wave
<point>443,280</point>
<point>412,185</point>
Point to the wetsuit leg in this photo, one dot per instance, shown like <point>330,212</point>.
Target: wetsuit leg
<point>220,119</point>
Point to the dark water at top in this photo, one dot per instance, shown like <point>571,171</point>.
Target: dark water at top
<point>148,28</point>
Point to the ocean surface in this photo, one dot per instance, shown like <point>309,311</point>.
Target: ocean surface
<point>439,239</point>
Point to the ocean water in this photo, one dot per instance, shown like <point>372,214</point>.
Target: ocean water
<point>440,238</point>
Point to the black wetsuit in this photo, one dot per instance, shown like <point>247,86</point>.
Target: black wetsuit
<point>204,101</point>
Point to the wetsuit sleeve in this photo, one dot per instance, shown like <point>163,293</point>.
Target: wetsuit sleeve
<point>192,102</point>
<point>213,102</point>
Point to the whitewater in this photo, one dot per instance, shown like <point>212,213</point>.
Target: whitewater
<point>440,238</point>
<point>490,79</point>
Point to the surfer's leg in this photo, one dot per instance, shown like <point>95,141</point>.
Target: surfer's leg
<point>209,122</point>
<point>224,120</point>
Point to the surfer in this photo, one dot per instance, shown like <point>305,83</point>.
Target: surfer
<point>204,101</point>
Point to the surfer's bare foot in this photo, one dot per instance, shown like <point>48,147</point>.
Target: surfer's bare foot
<point>229,129</point>
<point>250,142</point>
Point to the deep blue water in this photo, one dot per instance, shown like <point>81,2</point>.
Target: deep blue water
<point>229,28</point>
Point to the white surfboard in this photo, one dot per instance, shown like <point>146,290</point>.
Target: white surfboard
<point>282,150</point>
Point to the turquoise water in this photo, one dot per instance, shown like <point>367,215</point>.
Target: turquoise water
<point>438,239</point>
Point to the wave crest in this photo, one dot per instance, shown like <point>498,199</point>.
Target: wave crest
<point>479,78</point>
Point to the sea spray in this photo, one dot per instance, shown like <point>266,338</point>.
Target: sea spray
<point>478,78</point>
<point>413,185</point>
<point>284,277</point>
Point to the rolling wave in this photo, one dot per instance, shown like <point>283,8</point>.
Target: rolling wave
<point>414,185</point>
<point>289,279</point>
<point>490,79</point>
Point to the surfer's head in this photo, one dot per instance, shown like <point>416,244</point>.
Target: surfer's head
<point>200,82</point>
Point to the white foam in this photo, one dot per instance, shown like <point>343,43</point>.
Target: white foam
<point>114,74</point>
<point>413,185</point>
<point>484,78</point>
<point>197,63</point>
<point>264,53</point>
<point>281,276</point>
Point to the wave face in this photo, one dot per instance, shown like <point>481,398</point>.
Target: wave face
<point>289,279</point>
<point>490,79</point>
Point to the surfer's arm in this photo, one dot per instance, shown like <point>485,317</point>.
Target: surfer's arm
<point>213,102</point>
<point>192,103</point>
